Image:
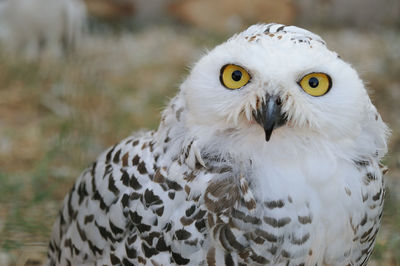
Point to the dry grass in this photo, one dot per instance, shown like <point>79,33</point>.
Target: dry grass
<point>56,116</point>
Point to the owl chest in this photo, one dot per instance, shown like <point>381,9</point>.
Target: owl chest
<point>301,217</point>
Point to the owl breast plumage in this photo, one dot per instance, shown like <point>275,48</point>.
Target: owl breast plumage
<point>269,155</point>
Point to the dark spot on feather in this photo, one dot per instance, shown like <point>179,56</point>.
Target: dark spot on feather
<point>160,211</point>
<point>134,183</point>
<point>125,200</point>
<point>228,239</point>
<point>135,160</point>
<point>173,185</point>
<point>200,225</point>
<point>135,217</point>
<point>114,259</point>
<point>94,248</point>
<point>148,251</point>
<point>125,178</point>
<point>280,28</point>
<point>275,222</point>
<point>143,228</point>
<point>274,204</point>
<point>246,218</point>
<point>116,157</point>
<point>267,29</point>
<point>186,221</point>
<point>135,196</point>
<point>115,229</point>
<point>142,260</point>
<point>371,176</point>
<point>82,233</point>
<point>82,192</point>
<point>158,177</point>
<point>132,239</point>
<point>377,196</point>
<point>151,199</point>
<point>200,214</point>
<point>125,159</point>
<point>190,211</point>
<point>348,191</point>
<point>142,168</point>
<point>89,218</point>
<point>367,233</point>
<point>171,195</point>
<point>305,219</point>
<point>108,156</point>
<point>126,262</point>
<point>269,237</point>
<point>144,146</point>
<point>182,234</point>
<point>259,259</point>
<point>102,204</point>
<point>362,163</point>
<point>364,220</point>
<point>252,38</point>
<point>259,240</point>
<point>179,259</point>
<point>167,227</point>
<point>161,246</point>
<point>300,241</point>
<point>111,186</point>
<point>108,170</point>
<point>136,142</point>
<point>104,233</point>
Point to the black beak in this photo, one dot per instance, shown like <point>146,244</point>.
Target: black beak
<point>269,115</point>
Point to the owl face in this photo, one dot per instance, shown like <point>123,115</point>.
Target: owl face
<point>269,80</point>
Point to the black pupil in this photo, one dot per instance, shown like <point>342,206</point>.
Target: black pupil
<point>313,82</point>
<point>236,75</point>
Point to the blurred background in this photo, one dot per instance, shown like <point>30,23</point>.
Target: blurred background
<point>76,76</point>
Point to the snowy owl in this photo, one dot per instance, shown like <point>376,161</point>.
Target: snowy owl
<point>269,155</point>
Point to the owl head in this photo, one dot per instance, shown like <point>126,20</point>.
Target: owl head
<point>272,82</point>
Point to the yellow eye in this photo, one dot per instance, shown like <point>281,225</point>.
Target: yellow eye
<point>316,84</point>
<point>234,77</point>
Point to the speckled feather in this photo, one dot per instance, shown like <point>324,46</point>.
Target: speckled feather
<point>206,189</point>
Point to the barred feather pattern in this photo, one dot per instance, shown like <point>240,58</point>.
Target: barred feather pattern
<point>138,205</point>
<point>212,192</point>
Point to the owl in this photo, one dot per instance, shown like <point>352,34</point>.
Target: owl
<point>268,155</point>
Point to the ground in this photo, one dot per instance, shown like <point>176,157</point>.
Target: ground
<point>56,116</point>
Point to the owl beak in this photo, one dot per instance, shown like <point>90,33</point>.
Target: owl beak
<point>269,115</point>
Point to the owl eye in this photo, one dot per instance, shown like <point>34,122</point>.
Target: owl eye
<point>234,77</point>
<point>316,84</point>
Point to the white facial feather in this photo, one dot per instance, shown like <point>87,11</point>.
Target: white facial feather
<point>276,62</point>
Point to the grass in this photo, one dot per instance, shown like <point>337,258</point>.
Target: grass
<point>57,116</point>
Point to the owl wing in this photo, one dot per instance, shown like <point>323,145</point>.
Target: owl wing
<point>365,228</point>
<point>127,209</point>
